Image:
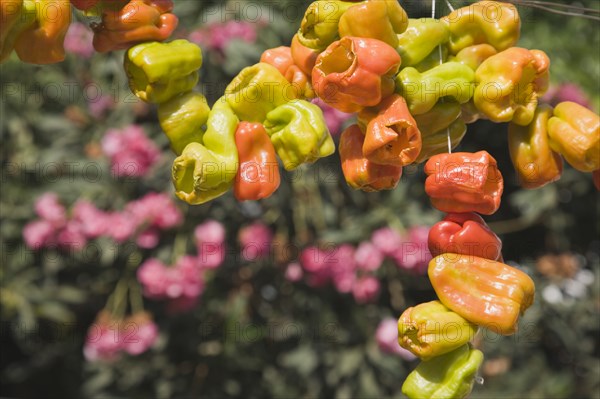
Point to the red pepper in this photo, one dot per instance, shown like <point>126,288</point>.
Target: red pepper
<point>466,234</point>
<point>258,174</point>
<point>464,182</point>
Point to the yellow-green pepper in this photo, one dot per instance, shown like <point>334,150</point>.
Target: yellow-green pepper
<point>158,72</point>
<point>319,27</point>
<point>257,90</point>
<point>299,133</point>
<point>433,59</point>
<point>420,39</point>
<point>449,376</point>
<point>207,169</point>
<point>473,56</point>
<point>182,119</point>
<point>423,90</point>
<point>434,125</point>
<point>16,17</point>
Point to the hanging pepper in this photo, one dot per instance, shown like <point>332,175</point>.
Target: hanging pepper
<point>421,38</point>
<point>206,170</point>
<point>281,58</point>
<point>258,174</point>
<point>299,133</point>
<point>464,182</point>
<point>434,126</point>
<point>158,72</point>
<point>359,172</point>
<point>431,329</point>
<point>490,22</point>
<point>41,42</point>
<point>574,132</point>
<point>304,57</point>
<point>319,27</point>
<point>535,162</point>
<point>257,90</point>
<point>16,16</point>
<point>136,22</point>
<point>182,118</point>
<point>300,81</point>
<point>432,59</point>
<point>449,376</point>
<point>485,292</point>
<point>353,73</point>
<point>510,83</point>
<point>465,234</point>
<point>423,90</point>
<point>473,56</point>
<point>381,20</point>
<point>392,137</point>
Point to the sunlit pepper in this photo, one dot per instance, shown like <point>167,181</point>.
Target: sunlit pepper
<point>299,133</point>
<point>574,132</point>
<point>138,21</point>
<point>473,56</point>
<point>381,20</point>
<point>435,125</point>
<point>319,27</point>
<point>359,172</point>
<point>431,329</point>
<point>485,292</point>
<point>490,22</point>
<point>42,41</point>
<point>281,58</point>
<point>432,59</point>
<point>353,73</point>
<point>420,39</point>
<point>303,56</point>
<point>464,182</point>
<point>257,90</point>
<point>465,234</point>
<point>206,170</point>
<point>258,174</point>
<point>16,16</point>
<point>182,119</point>
<point>158,72</point>
<point>534,161</point>
<point>392,136</point>
<point>509,84</point>
<point>449,376</point>
<point>423,90</point>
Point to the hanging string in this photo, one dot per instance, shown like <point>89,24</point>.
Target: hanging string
<point>584,12</point>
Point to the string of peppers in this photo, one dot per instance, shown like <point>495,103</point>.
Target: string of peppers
<point>413,84</point>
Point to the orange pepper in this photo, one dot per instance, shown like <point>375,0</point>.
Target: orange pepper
<point>360,173</point>
<point>353,73</point>
<point>393,137</point>
<point>464,182</point>
<point>281,58</point>
<point>303,56</point>
<point>485,292</point>
<point>258,174</point>
<point>138,21</point>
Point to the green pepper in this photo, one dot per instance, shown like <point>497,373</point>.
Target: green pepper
<point>319,27</point>
<point>299,133</point>
<point>449,376</point>
<point>433,59</point>
<point>257,90</point>
<point>423,90</point>
<point>420,39</point>
<point>431,329</point>
<point>207,170</point>
<point>158,72</point>
<point>435,124</point>
<point>182,118</point>
<point>16,17</point>
<point>381,20</point>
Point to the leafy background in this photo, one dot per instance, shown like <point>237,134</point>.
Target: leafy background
<point>223,348</point>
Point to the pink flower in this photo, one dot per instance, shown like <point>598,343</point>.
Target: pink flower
<point>49,208</point>
<point>121,226</point>
<point>368,257</point>
<point>365,289</point>
<point>343,268</point>
<point>98,106</point>
<point>567,92</point>
<point>131,152</point>
<point>71,236</point>
<point>38,234</point>
<point>210,242</point>
<point>156,209</point>
<point>333,118</point>
<point>255,241</point>
<point>387,240</point>
<point>103,339</point>
<point>414,254</point>
<point>387,339</point>
<point>144,334</point>
<point>294,272</point>
<point>217,36</point>
<point>152,276</point>
<point>93,222</point>
<point>78,40</point>
<point>313,260</point>
<point>148,238</point>
<point>191,281</point>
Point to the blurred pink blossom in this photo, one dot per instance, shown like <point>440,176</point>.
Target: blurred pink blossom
<point>49,208</point>
<point>78,40</point>
<point>99,105</point>
<point>387,240</point>
<point>255,241</point>
<point>217,36</point>
<point>333,118</point>
<point>151,275</point>
<point>184,279</point>
<point>387,339</point>
<point>131,152</point>
<point>365,289</point>
<point>343,268</point>
<point>567,92</point>
<point>148,238</point>
<point>414,253</point>
<point>103,339</point>
<point>368,257</point>
<point>93,222</point>
<point>145,334</point>
<point>121,226</point>
<point>38,234</point>
<point>293,272</point>
<point>210,243</point>
<point>71,236</point>
<point>313,260</point>
<point>156,209</point>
